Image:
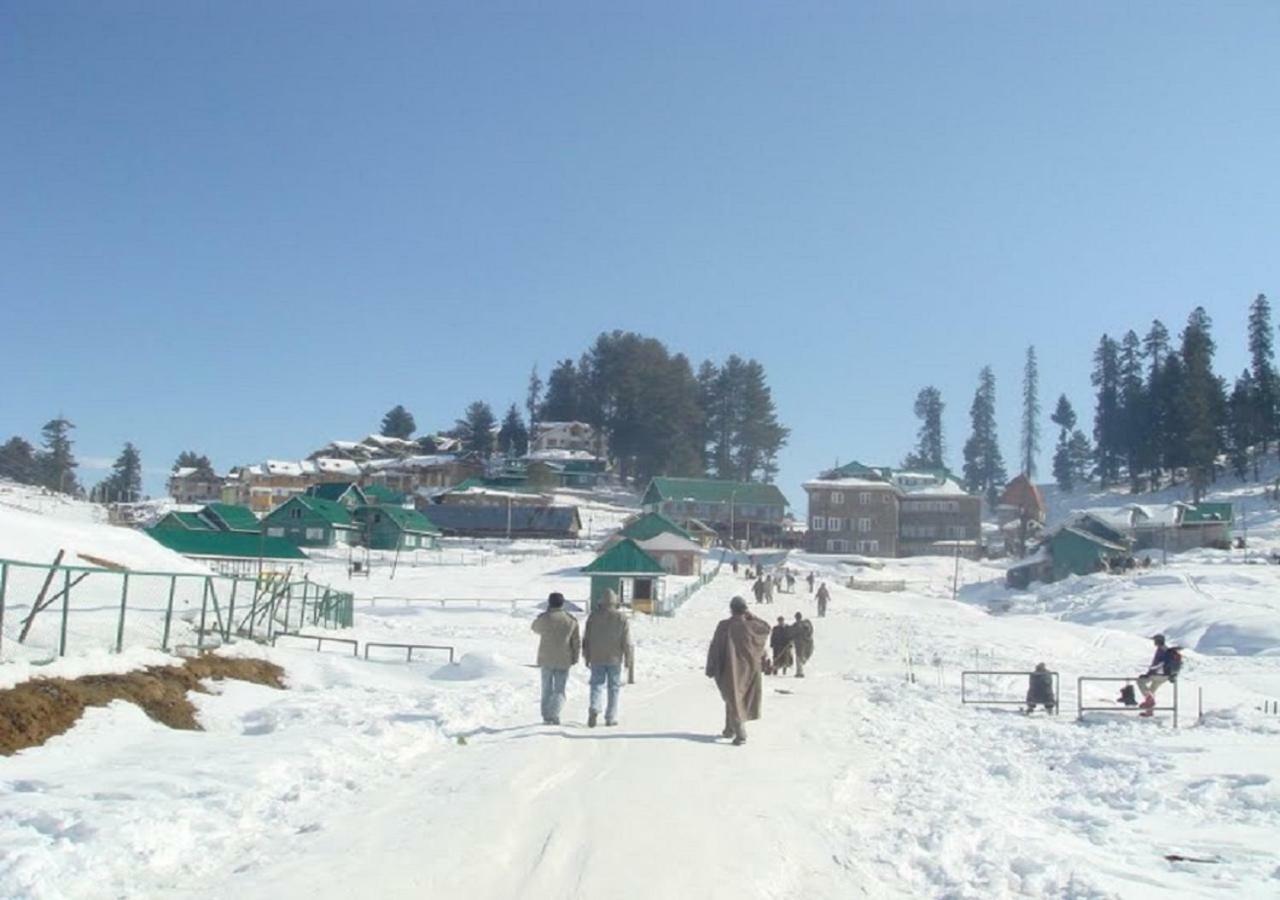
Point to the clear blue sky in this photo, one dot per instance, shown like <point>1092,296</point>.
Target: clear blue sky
<point>249,228</point>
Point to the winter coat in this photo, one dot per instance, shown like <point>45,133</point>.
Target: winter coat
<point>802,638</point>
<point>560,642</point>
<point>779,637</point>
<point>606,639</point>
<point>758,589</point>
<point>824,595</point>
<point>1040,688</point>
<point>733,660</point>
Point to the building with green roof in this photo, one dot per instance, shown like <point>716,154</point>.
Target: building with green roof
<point>312,522</point>
<point>744,511</point>
<point>381,495</point>
<point>212,517</point>
<point>630,572</point>
<point>650,525</point>
<point>395,528</point>
<point>348,493</point>
<point>225,545</point>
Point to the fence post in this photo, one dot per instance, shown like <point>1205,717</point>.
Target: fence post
<point>288,607</point>
<point>4,582</point>
<point>253,610</point>
<point>66,610</point>
<point>231,605</point>
<point>168,612</point>
<point>124,603</point>
<point>302,619</point>
<point>204,605</point>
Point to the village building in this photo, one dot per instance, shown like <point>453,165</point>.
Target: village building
<point>348,493</point>
<point>487,492</point>
<point>1020,514</point>
<point>395,528</point>
<point>212,517</point>
<point>312,522</point>
<point>670,545</point>
<point>631,573</point>
<point>230,552</point>
<point>879,511</point>
<point>422,474</point>
<point>507,521</point>
<point>190,485</point>
<point>745,512</point>
<point>579,437</point>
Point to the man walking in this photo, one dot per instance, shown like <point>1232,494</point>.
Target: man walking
<point>733,660</point>
<point>558,647</point>
<point>606,645</point>
<point>802,641</point>
<point>758,590</point>
<point>780,644</point>
<point>810,578</point>
<point>824,597</point>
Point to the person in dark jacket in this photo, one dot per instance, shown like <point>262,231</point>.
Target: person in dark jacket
<point>780,644</point>
<point>1164,667</point>
<point>802,640</point>
<point>811,579</point>
<point>758,590</point>
<point>824,597</point>
<point>1040,689</point>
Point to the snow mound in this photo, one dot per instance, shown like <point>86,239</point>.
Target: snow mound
<point>473,667</point>
<point>1246,636</point>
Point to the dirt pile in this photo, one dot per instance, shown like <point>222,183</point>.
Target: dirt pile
<point>39,709</point>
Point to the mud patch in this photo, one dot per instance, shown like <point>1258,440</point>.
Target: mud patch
<point>39,709</point>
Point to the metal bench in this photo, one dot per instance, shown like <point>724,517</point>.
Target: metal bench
<point>409,648</point>
<point>967,699</point>
<point>319,639</point>
<point>1081,708</point>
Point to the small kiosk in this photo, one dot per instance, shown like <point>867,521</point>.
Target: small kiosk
<point>636,577</point>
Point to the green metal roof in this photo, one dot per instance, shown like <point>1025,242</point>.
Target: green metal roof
<point>1208,512</point>
<point>333,490</point>
<point>234,518</point>
<point>407,519</point>
<point>331,512</point>
<point>624,558</point>
<point>380,493</point>
<point>708,490</point>
<point>191,521</point>
<point>650,525</point>
<point>235,544</point>
<point>856,469</point>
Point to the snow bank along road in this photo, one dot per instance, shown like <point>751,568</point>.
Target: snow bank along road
<point>855,783</point>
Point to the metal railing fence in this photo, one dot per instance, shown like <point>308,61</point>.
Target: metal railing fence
<point>667,606</point>
<point>48,610</point>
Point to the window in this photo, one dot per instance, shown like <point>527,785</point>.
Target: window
<point>864,525</point>
<point>868,546</point>
<point>885,498</point>
<point>864,498</point>
<point>295,513</point>
<point>837,546</point>
<point>819,523</point>
<point>275,531</point>
<point>315,534</point>
<point>834,524</point>
<point>837,498</point>
<point>956,531</point>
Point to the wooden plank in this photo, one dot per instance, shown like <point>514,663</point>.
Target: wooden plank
<point>44,589</point>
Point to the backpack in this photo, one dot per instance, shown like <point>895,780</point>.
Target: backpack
<point>1173,661</point>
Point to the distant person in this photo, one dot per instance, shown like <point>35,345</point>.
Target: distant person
<point>758,590</point>
<point>734,565</point>
<point>733,660</point>
<point>1164,667</point>
<point>606,646</point>
<point>1040,689</point>
<point>811,579</point>
<point>780,645</point>
<point>768,590</point>
<point>802,640</point>
<point>824,597</point>
<point>558,647</point>
<point>791,582</point>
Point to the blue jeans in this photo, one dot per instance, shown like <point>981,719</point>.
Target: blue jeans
<point>612,676</point>
<point>553,684</point>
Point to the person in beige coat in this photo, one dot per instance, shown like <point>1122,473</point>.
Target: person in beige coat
<point>558,647</point>
<point>606,646</point>
<point>733,660</point>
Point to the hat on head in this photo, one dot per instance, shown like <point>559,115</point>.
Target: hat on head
<point>737,604</point>
<point>1158,638</point>
<point>555,600</point>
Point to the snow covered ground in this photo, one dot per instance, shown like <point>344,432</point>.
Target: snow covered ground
<point>389,779</point>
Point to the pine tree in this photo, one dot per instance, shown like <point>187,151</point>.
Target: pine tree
<point>1203,400</point>
<point>18,461</point>
<point>398,423</point>
<point>1262,369</point>
<point>190,459</point>
<point>984,470</point>
<point>1169,414</point>
<point>124,484</point>
<point>1242,427</point>
<point>1081,457</point>
<point>930,447</point>
<point>56,461</point>
<point>475,429</point>
<point>760,437</point>
<point>533,401</point>
<point>1063,467</point>
<point>1107,425</point>
<point>723,406</point>
<point>561,402</point>
<point>1030,413</point>
<point>1155,346</point>
<point>1134,414</point>
<point>513,437</point>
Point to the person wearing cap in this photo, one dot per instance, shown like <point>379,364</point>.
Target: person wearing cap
<point>1040,689</point>
<point>606,645</point>
<point>733,660</point>
<point>780,644</point>
<point>558,647</point>
<point>802,639</point>
<point>1164,667</point>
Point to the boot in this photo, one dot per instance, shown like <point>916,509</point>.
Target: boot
<point>591,718</point>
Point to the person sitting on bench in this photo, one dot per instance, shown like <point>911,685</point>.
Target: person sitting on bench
<point>1040,689</point>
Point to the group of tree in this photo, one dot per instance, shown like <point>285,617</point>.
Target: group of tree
<point>53,466</point>
<point>653,413</point>
<point>1161,409</point>
<point>124,484</point>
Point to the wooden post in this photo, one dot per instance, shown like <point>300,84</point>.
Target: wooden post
<point>44,589</point>
<point>168,612</point>
<point>204,605</point>
<point>66,610</point>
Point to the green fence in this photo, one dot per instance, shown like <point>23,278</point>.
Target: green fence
<point>667,606</point>
<point>48,610</point>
